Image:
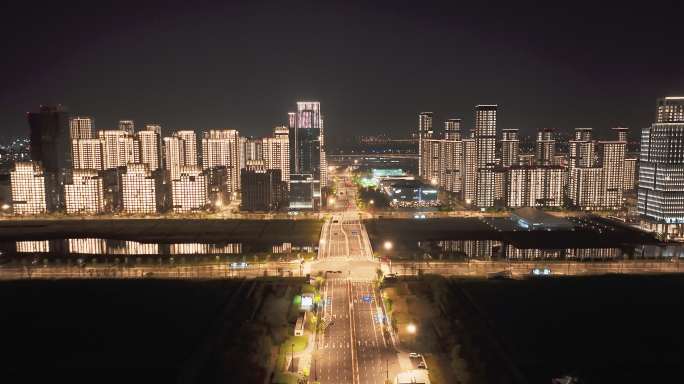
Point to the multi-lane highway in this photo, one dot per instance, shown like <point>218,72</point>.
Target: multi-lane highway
<point>355,344</point>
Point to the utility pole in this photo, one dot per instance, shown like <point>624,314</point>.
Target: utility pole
<point>292,360</point>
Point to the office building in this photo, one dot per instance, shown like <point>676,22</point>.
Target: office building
<point>301,192</point>
<point>139,189</point>
<point>485,147</point>
<point>50,138</point>
<point>127,126</point>
<point>262,189</point>
<point>307,148</point>
<point>80,127</point>
<point>87,153</point>
<point>661,170</point>
<point>221,148</point>
<point>85,194</point>
<point>189,191</point>
<point>546,147</point>
<point>510,147</point>
<point>28,189</point>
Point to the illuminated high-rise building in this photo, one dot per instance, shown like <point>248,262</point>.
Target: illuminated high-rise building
<point>87,153</point>
<point>276,152</point>
<point>189,190</point>
<point>424,133</point>
<point>670,109</point>
<point>307,146</point>
<point>150,152</point>
<point>452,129</point>
<point>221,148</point>
<point>262,189</point>
<point>582,152</point>
<point>119,148</point>
<point>180,150</point>
<point>469,171</point>
<point>127,126</point>
<point>81,127</point>
<point>510,147</point>
<point>250,150</point>
<point>485,147</point>
<point>661,170</point>
<point>27,183</point>
<point>546,146</point>
<point>535,186</point>
<point>612,173</point>
<point>189,138</point>
<point>139,189</point>
<point>85,194</point>
<point>629,175</point>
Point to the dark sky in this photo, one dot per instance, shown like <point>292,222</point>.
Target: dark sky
<point>373,66</point>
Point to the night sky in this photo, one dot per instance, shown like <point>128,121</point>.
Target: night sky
<point>200,65</point>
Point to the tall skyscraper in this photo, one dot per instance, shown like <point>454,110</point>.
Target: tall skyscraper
<point>221,148</point>
<point>424,132</point>
<point>485,146</point>
<point>661,169</point>
<point>85,194</point>
<point>536,186</point>
<point>50,138</point>
<point>127,125</point>
<point>139,189</point>
<point>307,145</point>
<point>630,172</point>
<point>81,127</point>
<point>546,146</point>
<point>189,138</point>
<point>510,147</point>
<point>156,128</point>
<point>28,189</point>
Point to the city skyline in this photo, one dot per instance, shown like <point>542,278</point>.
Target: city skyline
<point>368,75</point>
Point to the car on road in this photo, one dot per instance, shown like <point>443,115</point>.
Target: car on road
<point>240,265</point>
<point>414,355</point>
<point>422,365</point>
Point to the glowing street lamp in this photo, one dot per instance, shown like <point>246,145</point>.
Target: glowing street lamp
<point>388,245</point>
<point>372,202</point>
<point>411,328</point>
<point>5,207</point>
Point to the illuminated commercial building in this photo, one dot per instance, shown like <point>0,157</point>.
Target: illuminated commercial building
<point>307,149</point>
<point>139,189</point>
<point>87,153</point>
<point>661,170</point>
<point>221,148</point>
<point>85,194</point>
<point>81,127</point>
<point>510,147</point>
<point>189,191</point>
<point>28,189</point>
<point>485,148</point>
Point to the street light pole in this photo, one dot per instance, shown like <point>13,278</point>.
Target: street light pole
<point>292,359</point>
